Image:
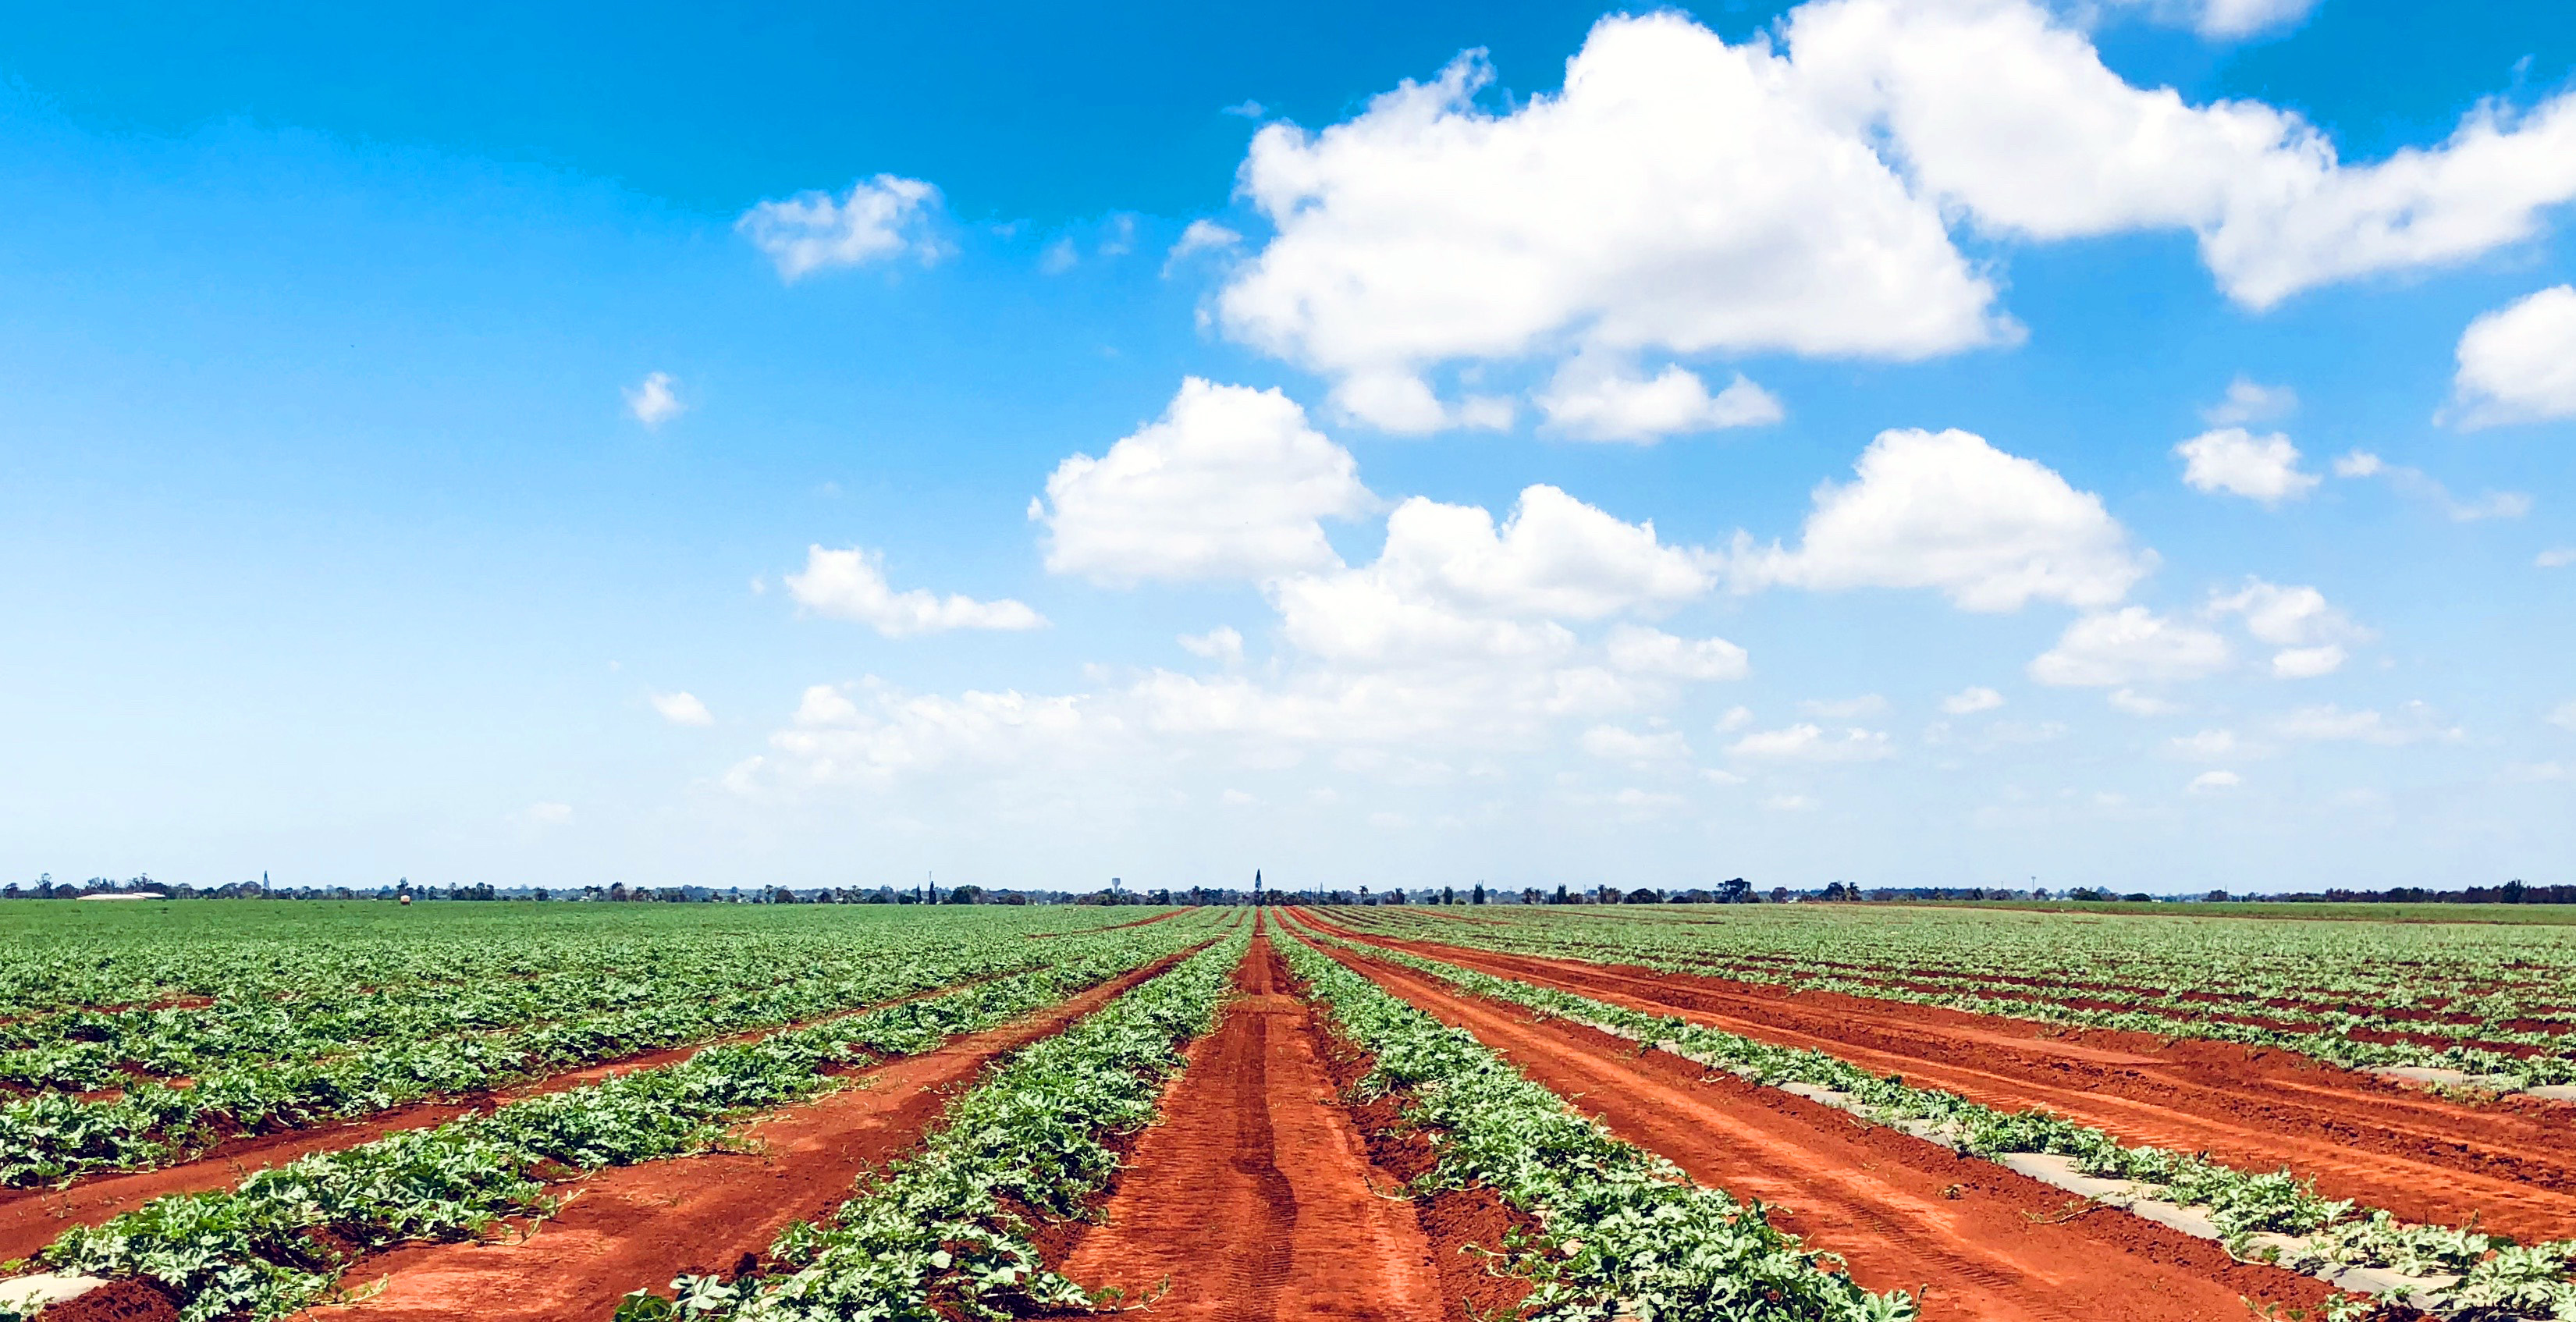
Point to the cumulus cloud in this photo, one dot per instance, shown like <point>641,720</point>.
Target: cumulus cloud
<point>654,401</point>
<point>2564,717</point>
<point>2207,746</point>
<point>1677,194</point>
<point>2234,460</point>
<point>2555,558</point>
<point>1221,643</point>
<point>2518,363</point>
<point>1554,556</point>
<point>851,585</point>
<point>1945,510</point>
<point>2251,401</point>
<point>1652,651</point>
<point>2212,782</point>
<point>871,733</point>
<point>1230,482</point>
<point>682,709</point>
<point>2311,632</point>
<point>1595,397</point>
<point>2222,20</point>
<point>1197,237</point>
<point>1613,743</point>
<point>2002,111</point>
<point>879,219</point>
<point>549,814</point>
<point>1810,743</point>
<point>1971,700</point>
<point>1795,194</point>
<point>2129,646</point>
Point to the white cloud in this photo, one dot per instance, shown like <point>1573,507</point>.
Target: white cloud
<point>2518,363</point>
<point>2127,646</point>
<point>1058,256</point>
<point>1795,194</point>
<point>1678,194</point>
<point>1221,643</point>
<point>2221,20</point>
<point>1200,236</point>
<point>2207,746</point>
<point>549,814</point>
<point>2564,717</point>
<point>1613,743</point>
<point>2537,772</point>
<point>2555,558</point>
<point>2414,723</point>
<point>2231,459</point>
<point>851,585</point>
<point>1236,799</point>
<point>1654,652</point>
<point>1845,709</point>
<point>2211,782</point>
<point>1554,556</point>
<point>880,219</point>
<point>2002,111</point>
<point>1230,482</point>
<point>682,709</point>
<point>2423,486</point>
<point>1598,397</point>
<point>2299,620</point>
<point>1736,718</point>
<point>1948,511</point>
<point>1972,699</point>
<point>1810,743</point>
<point>1790,803</point>
<point>2308,662</point>
<point>653,401</point>
<point>2251,401</point>
<point>2142,704</point>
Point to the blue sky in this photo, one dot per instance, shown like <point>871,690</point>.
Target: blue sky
<point>2150,468</point>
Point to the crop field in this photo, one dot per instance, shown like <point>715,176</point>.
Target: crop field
<point>1813,1113</point>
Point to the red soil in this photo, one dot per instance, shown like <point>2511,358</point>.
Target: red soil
<point>1980,1241</point>
<point>639,1226</point>
<point>2511,1166</point>
<point>1255,1198</point>
<point>32,1218</point>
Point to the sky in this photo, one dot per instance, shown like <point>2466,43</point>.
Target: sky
<point>1906,442</point>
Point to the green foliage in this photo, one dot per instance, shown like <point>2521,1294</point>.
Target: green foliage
<point>941,1235</point>
<point>278,1241</point>
<point>2485,998</point>
<point>1626,1233</point>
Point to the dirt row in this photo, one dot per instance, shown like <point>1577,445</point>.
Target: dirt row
<point>1976,1239</point>
<point>1265,1192</point>
<point>2510,1165</point>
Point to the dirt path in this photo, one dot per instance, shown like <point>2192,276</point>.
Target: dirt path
<point>1141,922</point>
<point>1253,1196</point>
<point>1988,1244</point>
<point>32,1218</point>
<point>2512,1167</point>
<point>633,1226</point>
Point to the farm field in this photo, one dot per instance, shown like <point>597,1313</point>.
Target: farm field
<point>246,1110</point>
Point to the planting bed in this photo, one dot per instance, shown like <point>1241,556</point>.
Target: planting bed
<point>1432,1115</point>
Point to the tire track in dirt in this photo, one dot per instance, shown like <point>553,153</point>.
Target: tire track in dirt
<point>1906,1214</point>
<point>633,1226</point>
<point>1253,1196</point>
<point>32,1218</point>
<point>2511,1168</point>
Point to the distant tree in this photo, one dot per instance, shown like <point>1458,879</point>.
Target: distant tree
<point>2216,897</point>
<point>1448,895</point>
<point>1560,895</point>
<point>1480,893</point>
<point>1643,895</point>
<point>970,893</point>
<point>1737,891</point>
<point>2513,891</point>
<point>1609,895</point>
